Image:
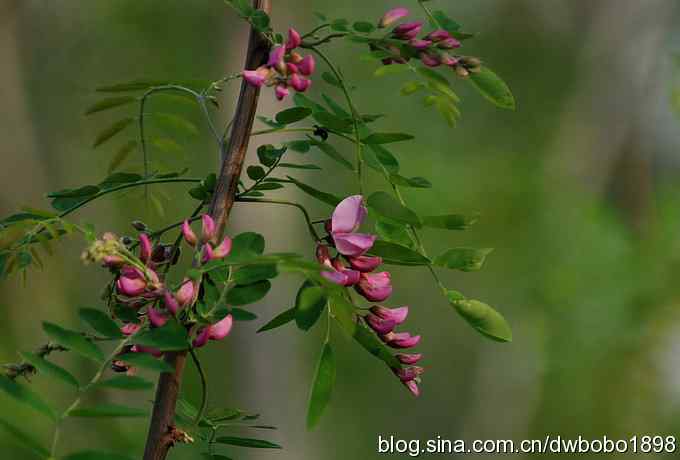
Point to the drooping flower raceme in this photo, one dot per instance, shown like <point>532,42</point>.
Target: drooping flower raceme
<point>285,68</point>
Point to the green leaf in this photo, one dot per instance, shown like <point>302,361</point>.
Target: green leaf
<point>322,386</point>
<point>175,123</point>
<point>133,85</point>
<point>482,317</point>
<point>414,182</point>
<point>370,342</point>
<point>253,273</point>
<point>411,87</point>
<point>279,320</point>
<point>301,146</point>
<point>269,155</point>
<point>386,138</point>
<point>340,25</point>
<point>303,101</point>
<point>73,341</point>
<point>379,158</point>
<point>464,259</point>
<point>95,455</point>
<point>293,115</point>
<point>109,103</point>
<point>390,70</point>
<point>397,254</point>
<point>327,198</point>
<point>296,166</point>
<point>335,107</point>
<point>107,410</point>
<point>111,131</point>
<point>26,396</point>
<point>363,27</point>
<point>121,155</point>
<point>172,336</point>
<point>24,438</point>
<point>145,361</point>
<point>387,206</point>
<point>100,322</point>
<point>119,178</point>
<point>247,442</point>
<point>260,21</point>
<point>49,369</point>
<point>445,22</point>
<point>333,122</point>
<point>244,295</point>
<point>126,382</point>
<point>245,246</point>
<point>268,186</point>
<point>493,88</point>
<point>255,172</point>
<point>331,152</point>
<point>331,79</point>
<point>239,314</point>
<point>309,303</point>
<point>450,222</point>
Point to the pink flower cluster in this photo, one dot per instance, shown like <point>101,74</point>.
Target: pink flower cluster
<point>433,49</point>
<point>285,68</point>
<point>351,267</point>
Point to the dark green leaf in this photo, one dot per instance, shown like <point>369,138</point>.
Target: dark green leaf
<point>333,122</point>
<point>111,131</point>
<point>386,138</point>
<point>133,85</point>
<point>340,25</point>
<point>125,382</point>
<point>445,22</point>
<point>73,341</point>
<point>260,20</point>
<point>24,438</point>
<point>387,206</point>
<point>397,254</point>
<point>330,79</point>
<point>378,157</point>
<point>464,259</point>
<point>245,246</point>
<point>247,442</point>
<point>450,222</point>
<point>415,182</point>
<point>95,455</point>
<point>100,322</point>
<point>239,314</point>
<point>296,166</point>
<point>327,198</point>
<point>393,232</point>
<point>322,386</point>
<point>279,320</point>
<point>145,361</point>
<point>301,146</point>
<point>109,103</point>
<point>255,172</point>
<point>370,342</point>
<point>49,369</point>
<point>493,88</point>
<point>108,410</point>
<point>303,101</point>
<point>390,70</point>
<point>293,115</point>
<point>268,186</point>
<point>482,317</point>
<point>253,273</point>
<point>309,303</point>
<point>172,336</point>
<point>119,178</point>
<point>244,295</point>
<point>335,107</point>
<point>269,155</point>
<point>81,192</point>
<point>364,27</point>
<point>329,150</point>
<point>26,396</point>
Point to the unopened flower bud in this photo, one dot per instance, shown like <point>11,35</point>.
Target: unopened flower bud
<point>379,325</point>
<point>294,39</point>
<point>139,226</point>
<point>392,16</point>
<point>307,65</point>
<point>281,92</point>
<point>208,228</point>
<point>188,233</point>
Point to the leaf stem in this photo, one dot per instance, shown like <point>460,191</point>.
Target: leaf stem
<point>204,387</point>
<point>310,227</point>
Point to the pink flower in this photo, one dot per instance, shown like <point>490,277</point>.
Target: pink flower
<point>365,264</point>
<point>408,30</point>
<point>294,39</point>
<point>207,253</point>
<point>257,77</point>
<point>412,386</point>
<point>375,287</point>
<point>438,35</point>
<point>130,329</point>
<point>449,43</point>
<point>419,44</point>
<point>171,303</point>
<point>408,359</point>
<point>155,352</point>
<point>353,244</point>
<point>276,58</point>
<point>406,374</point>
<point>281,92</point>
<point>430,60</point>
<point>292,68</point>
<point>188,233</point>
<point>393,16</point>
<point>401,340</point>
<point>113,261</point>
<point>131,283</point>
<point>145,247</point>
<point>379,325</point>
<point>300,84</point>
<point>348,215</point>
<point>398,315</point>
<point>337,272</point>
<point>223,249</point>
<point>208,228</point>
<point>156,318</point>
<point>307,65</point>
<point>187,293</point>
<point>449,60</point>
<point>216,331</point>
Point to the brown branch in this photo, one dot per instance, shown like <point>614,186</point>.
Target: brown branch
<point>159,439</point>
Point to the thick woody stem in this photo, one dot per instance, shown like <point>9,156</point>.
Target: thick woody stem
<point>162,433</point>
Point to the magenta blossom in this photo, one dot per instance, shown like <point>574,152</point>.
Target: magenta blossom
<point>216,331</point>
<point>188,233</point>
<point>294,39</point>
<point>392,16</point>
<point>375,287</point>
<point>379,325</point>
<point>408,30</point>
<point>346,219</point>
<point>398,315</point>
<point>365,263</point>
<point>408,359</point>
<point>401,340</point>
<point>208,228</point>
<point>336,271</point>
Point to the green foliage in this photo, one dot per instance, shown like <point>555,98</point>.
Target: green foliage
<point>125,382</point>
<point>100,322</point>
<point>396,254</point>
<point>450,221</point>
<point>95,455</point>
<point>145,361</point>
<point>464,259</point>
<point>251,293</point>
<point>107,411</point>
<point>26,396</point>
<point>322,385</point>
<point>493,88</point>
<point>293,115</point>
<point>24,438</point>
<point>279,320</point>
<point>327,198</point>
<point>388,206</point>
<point>171,337</point>
<point>247,442</point>
<point>49,369</point>
<point>73,341</point>
<point>482,317</point>
<point>309,304</point>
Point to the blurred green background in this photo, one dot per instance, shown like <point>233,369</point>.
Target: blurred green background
<point>577,191</point>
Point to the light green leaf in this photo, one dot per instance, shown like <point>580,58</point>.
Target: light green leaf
<point>239,314</point>
<point>145,361</point>
<point>107,410</point>
<point>24,438</point>
<point>279,320</point>
<point>251,293</point>
<point>121,155</point>
<point>327,198</point>
<point>253,273</point>
<point>333,122</point>
<point>73,341</point>
<point>109,103</point>
<point>464,259</point>
<point>386,138</point>
<point>175,123</point>
<point>100,322</point>
<point>111,131</point>
<point>247,442</point>
<point>293,115</point>
<point>322,386</point>
<point>387,206</point>
<point>49,369</point>
<point>330,79</point>
<point>332,152</point>
<point>125,382</point>
<point>172,336</point>
<point>378,157</point>
<point>413,182</point>
<point>493,88</point>
<point>451,221</point>
<point>297,166</point>
<point>25,395</point>
<point>244,247</point>
<point>390,70</point>
<point>309,302</point>
<point>370,342</point>
<point>397,254</point>
<point>482,317</point>
<point>363,26</point>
